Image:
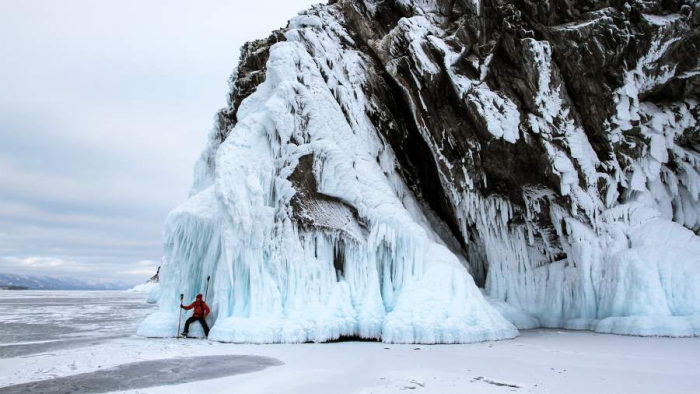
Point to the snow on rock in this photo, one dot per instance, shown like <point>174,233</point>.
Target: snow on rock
<point>302,21</point>
<point>500,115</point>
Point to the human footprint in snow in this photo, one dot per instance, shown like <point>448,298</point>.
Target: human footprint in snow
<point>201,311</point>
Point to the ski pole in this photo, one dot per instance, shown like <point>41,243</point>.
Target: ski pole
<point>207,290</point>
<point>179,318</point>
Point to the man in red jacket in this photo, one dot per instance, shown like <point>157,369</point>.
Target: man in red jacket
<point>201,311</point>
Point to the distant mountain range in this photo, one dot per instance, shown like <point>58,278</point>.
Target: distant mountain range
<point>40,282</point>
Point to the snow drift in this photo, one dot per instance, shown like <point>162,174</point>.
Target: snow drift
<point>378,160</point>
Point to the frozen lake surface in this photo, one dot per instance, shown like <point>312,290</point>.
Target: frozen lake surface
<point>39,321</point>
<point>84,342</point>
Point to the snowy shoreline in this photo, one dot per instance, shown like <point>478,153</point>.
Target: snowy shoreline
<point>41,343</point>
<point>538,361</point>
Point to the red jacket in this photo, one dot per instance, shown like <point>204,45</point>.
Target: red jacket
<point>200,308</point>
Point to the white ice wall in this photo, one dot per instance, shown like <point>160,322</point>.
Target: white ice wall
<point>274,282</point>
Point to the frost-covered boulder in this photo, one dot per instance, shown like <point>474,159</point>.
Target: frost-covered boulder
<point>379,160</point>
<point>154,295</point>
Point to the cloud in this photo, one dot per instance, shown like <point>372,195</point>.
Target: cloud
<point>104,109</point>
<point>45,263</point>
<point>141,272</point>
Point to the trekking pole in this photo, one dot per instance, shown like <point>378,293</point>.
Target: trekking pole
<point>179,318</point>
<point>207,290</point>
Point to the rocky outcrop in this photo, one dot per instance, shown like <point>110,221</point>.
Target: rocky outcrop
<point>155,278</point>
<point>373,148</point>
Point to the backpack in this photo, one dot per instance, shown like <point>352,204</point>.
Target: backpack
<point>198,308</point>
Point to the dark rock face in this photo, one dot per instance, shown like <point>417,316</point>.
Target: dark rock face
<point>590,48</point>
<point>155,278</point>
<point>314,209</point>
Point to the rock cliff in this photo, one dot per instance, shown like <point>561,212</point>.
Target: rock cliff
<point>380,159</point>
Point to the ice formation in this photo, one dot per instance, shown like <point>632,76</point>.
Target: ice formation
<point>151,287</point>
<point>378,160</point>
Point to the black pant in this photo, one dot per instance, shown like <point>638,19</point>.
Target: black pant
<point>201,321</point>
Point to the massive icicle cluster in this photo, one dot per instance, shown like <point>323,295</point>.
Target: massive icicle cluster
<point>373,268</point>
<point>379,157</point>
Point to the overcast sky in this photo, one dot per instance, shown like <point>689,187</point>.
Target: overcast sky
<point>104,109</point>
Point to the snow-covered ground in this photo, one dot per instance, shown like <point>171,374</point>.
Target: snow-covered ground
<point>79,339</point>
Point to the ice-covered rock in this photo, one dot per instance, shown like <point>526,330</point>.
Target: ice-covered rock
<point>152,287</point>
<point>379,160</point>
